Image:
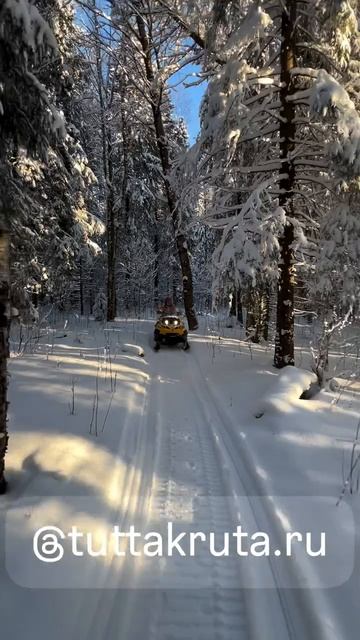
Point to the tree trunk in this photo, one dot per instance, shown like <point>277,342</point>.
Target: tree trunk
<point>252,320</point>
<point>232,312</point>
<point>125,196</point>
<point>107,159</point>
<point>127,291</point>
<point>4,348</point>
<point>111,228</point>
<point>266,313</point>
<point>230,299</point>
<point>91,297</point>
<point>111,270</point>
<point>81,287</point>
<point>156,271</point>
<point>239,309</point>
<point>257,316</point>
<point>156,95</point>
<point>174,284</point>
<point>284,342</point>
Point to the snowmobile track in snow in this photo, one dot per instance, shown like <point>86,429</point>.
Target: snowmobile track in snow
<point>184,447</point>
<point>187,465</point>
<point>286,613</point>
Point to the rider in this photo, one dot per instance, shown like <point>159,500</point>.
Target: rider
<point>168,306</point>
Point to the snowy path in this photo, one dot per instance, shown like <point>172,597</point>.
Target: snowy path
<point>178,460</point>
<point>181,455</point>
<point>168,445</point>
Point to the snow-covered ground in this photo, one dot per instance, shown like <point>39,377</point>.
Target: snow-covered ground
<point>104,431</point>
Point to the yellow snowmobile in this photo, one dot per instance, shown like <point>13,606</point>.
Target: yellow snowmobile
<point>170,329</point>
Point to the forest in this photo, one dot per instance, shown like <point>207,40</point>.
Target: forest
<point>201,151</point>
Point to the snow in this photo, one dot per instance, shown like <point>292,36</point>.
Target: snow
<point>152,439</point>
<point>57,117</point>
<point>35,31</point>
<point>289,386</point>
<point>254,25</point>
<point>103,431</point>
<point>328,93</point>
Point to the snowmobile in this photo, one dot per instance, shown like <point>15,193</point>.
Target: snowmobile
<point>170,330</point>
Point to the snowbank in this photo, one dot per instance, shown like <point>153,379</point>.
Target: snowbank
<point>289,386</point>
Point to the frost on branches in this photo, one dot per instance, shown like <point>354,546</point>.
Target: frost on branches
<point>266,127</point>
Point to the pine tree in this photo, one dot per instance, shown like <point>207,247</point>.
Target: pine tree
<point>27,118</point>
<point>279,132</point>
<point>46,248</point>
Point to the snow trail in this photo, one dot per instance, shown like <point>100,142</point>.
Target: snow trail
<point>191,459</point>
<point>177,462</point>
<point>187,467</point>
<point>171,454</point>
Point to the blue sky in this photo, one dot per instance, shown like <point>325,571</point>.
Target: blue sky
<point>187,100</point>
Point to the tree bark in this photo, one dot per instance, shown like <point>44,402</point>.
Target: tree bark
<point>284,341</point>
<point>111,227</point>
<point>239,308</point>
<point>266,312</point>
<point>81,287</point>
<point>4,348</point>
<point>125,196</point>
<point>181,241</point>
<point>257,316</point>
<point>156,270</point>
<point>252,316</point>
<point>91,299</point>
<point>174,284</point>
<point>233,304</point>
